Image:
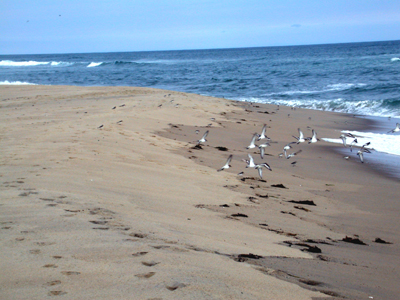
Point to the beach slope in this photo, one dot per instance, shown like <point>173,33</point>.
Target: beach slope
<point>104,194</point>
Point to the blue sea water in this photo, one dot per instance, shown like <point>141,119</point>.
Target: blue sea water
<point>356,78</point>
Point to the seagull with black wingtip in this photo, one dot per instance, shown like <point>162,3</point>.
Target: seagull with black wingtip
<point>203,139</point>
<point>227,164</point>
<point>301,138</point>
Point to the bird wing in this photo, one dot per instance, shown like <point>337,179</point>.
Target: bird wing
<point>253,139</point>
<point>360,154</point>
<point>262,152</point>
<point>260,172</point>
<point>301,135</point>
<point>251,160</point>
<point>228,161</point>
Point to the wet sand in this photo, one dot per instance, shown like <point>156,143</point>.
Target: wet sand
<point>103,194</point>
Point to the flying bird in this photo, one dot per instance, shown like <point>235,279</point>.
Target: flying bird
<point>287,147</point>
<point>259,168</point>
<point>227,164</point>
<point>253,139</point>
<point>352,143</point>
<point>314,138</point>
<point>262,149</point>
<point>293,154</point>
<point>345,136</point>
<point>300,139</point>
<point>203,139</point>
<point>363,150</point>
<point>262,135</point>
<point>396,129</point>
<point>250,163</point>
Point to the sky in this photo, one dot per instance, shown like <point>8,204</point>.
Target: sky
<point>79,26</point>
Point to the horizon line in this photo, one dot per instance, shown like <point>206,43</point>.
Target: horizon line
<point>202,49</point>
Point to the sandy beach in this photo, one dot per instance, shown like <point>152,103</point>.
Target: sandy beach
<point>104,194</point>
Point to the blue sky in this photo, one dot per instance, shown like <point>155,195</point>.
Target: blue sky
<point>61,26</point>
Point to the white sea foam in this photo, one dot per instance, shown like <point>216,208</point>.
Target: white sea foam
<point>94,64</point>
<point>395,59</point>
<point>60,64</point>
<point>16,83</point>
<point>365,107</point>
<point>343,86</point>
<point>328,88</point>
<point>382,142</point>
<point>10,63</point>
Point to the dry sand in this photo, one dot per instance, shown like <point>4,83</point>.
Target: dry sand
<point>103,196</point>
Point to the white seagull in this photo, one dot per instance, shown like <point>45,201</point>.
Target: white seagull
<point>396,129</point>
<point>345,136</point>
<point>227,164</point>
<point>313,139</point>
<point>287,147</point>
<point>203,139</point>
<point>253,139</point>
<point>250,162</point>
<point>293,154</point>
<point>259,168</point>
<point>300,139</point>
<point>352,143</point>
<point>262,135</point>
<point>363,150</point>
<point>262,149</point>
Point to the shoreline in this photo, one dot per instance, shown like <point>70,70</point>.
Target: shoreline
<point>114,167</point>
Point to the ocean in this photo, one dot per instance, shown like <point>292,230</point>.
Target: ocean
<point>355,78</point>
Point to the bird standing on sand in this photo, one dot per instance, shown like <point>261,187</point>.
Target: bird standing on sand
<point>203,139</point>
<point>227,164</point>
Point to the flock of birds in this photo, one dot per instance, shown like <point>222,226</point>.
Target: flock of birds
<point>262,136</point>
<point>300,139</point>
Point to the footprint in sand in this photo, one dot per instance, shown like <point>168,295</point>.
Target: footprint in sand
<point>175,285</point>
<point>138,235</point>
<point>69,273</point>
<point>34,251</point>
<point>47,199</point>
<point>44,243</point>
<point>102,222</point>
<point>146,275</point>
<point>149,263</point>
<point>52,283</point>
<point>139,253</point>
<point>56,293</point>
<point>50,266</point>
